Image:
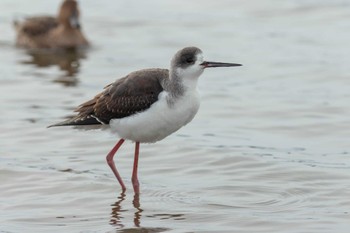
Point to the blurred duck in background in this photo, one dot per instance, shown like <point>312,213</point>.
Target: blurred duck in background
<point>63,31</point>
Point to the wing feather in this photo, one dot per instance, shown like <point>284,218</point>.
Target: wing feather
<point>36,26</point>
<point>127,96</point>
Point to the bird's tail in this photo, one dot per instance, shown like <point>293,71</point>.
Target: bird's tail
<point>78,121</point>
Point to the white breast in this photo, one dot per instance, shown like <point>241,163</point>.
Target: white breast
<point>160,120</point>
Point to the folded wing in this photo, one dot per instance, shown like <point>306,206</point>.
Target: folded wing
<point>127,96</point>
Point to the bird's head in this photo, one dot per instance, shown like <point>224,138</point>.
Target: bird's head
<point>188,62</point>
<point>69,14</point>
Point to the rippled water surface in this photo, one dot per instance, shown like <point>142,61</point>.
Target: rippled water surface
<point>267,152</point>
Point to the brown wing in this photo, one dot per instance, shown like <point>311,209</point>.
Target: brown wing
<point>127,96</point>
<point>36,26</point>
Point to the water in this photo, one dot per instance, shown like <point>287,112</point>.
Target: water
<point>267,152</point>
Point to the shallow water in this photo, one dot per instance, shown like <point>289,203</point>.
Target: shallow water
<point>267,152</point>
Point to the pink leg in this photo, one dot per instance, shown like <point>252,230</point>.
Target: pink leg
<point>134,179</point>
<point>110,162</point>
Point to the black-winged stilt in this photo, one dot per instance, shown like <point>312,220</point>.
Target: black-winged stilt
<point>147,105</point>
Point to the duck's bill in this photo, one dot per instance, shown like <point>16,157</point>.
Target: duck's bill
<point>211,64</point>
<point>74,21</point>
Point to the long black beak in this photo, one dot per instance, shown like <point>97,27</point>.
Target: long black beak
<point>210,64</point>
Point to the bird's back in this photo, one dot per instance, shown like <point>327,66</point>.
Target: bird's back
<point>36,26</point>
<point>32,30</point>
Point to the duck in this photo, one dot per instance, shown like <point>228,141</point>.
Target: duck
<point>63,31</point>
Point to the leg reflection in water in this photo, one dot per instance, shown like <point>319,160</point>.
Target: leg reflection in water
<point>117,216</point>
<point>126,216</point>
<point>137,215</point>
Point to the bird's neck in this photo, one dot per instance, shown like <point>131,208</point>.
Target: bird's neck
<point>180,85</point>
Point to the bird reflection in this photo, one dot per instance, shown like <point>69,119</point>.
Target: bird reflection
<point>117,210</point>
<point>67,60</point>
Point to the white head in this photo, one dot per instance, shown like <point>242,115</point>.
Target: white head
<point>186,63</point>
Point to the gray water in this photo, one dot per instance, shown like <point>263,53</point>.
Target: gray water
<point>267,152</point>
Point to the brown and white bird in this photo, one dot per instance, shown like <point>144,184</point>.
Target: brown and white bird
<point>63,31</point>
<point>147,105</point>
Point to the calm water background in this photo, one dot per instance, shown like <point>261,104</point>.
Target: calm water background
<point>267,152</point>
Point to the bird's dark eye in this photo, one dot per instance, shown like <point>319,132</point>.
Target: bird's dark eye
<point>189,60</point>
